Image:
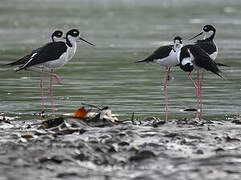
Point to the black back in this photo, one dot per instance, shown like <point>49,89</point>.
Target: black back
<point>207,45</point>
<point>160,53</point>
<point>23,60</point>
<point>49,52</point>
<point>26,58</point>
<point>201,58</point>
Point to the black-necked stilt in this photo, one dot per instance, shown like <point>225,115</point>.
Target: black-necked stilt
<point>52,55</point>
<point>166,56</point>
<point>207,43</point>
<point>56,36</point>
<point>72,43</point>
<point>194,57</point>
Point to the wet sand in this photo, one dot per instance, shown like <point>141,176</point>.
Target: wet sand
<point>178,149</point>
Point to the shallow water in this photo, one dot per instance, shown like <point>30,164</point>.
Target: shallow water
<point>123,31</point>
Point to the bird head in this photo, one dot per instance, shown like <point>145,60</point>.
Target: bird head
<point>73,35</point>
<point>177,43</point>
<point>208,32</point>
<point>57,35</point>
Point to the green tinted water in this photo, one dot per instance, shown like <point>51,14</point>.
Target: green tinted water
<point>123,31</point>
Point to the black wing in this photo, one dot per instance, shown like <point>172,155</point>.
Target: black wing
<point>160,53</point>
<point>202,59</point>
<point>50,52</point>
<point>207,45</point>
<point>24,59</point>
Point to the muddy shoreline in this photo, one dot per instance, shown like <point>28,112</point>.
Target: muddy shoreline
<point>134,149</point>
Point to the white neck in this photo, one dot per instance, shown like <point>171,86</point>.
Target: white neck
<point>207,34</point>
<point>72,40</point>
<point>57,39</point>
<point>72,50</point>
<point>191,55</point>
<point>177,46</point>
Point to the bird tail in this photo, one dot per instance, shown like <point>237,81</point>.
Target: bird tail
<point>10,64</point>
<point>21,61</point>
<point>220,64</point>
<point>217,73</point>
<point>216,70</point>
<point>18,68</point>
<point>142,60</point>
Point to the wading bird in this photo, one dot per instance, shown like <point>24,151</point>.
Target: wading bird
<point>208,45</point>
<point>166,56</point>
<point>52,55</point>
<point>56,36</point>
<point>193,57</point>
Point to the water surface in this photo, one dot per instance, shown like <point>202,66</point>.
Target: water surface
<point>123,31</point>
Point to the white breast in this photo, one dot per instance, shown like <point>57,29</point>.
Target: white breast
<point>168,61</point>
<point>213,55</point>
<point>186,61</point>
<point>58,62</point>
<point>71,51</point>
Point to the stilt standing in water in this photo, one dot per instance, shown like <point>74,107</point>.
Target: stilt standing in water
<point>52,55</point>
<point>208,45</point>
<point>56,36</point>
<point>193,57</point>
<point>166,56</point>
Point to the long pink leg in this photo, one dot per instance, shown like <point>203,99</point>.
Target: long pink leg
<point>53,75</point>
<point>197,92</point>
<point>193,83</point>
<point>51,92</point>
<point>41,89</point>
<point>165,88</point>
<point>200,95</point>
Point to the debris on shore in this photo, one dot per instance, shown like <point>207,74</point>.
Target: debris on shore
<point>94,141</point>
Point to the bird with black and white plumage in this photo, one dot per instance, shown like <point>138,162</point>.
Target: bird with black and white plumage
<point>193,57</point>
<point>72,44</point>
<point>52,55</point>
<point>166,56</point>
<point>207,43</point>
<point>55,37</point>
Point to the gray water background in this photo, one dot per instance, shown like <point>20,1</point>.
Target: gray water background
<point>124,31</point>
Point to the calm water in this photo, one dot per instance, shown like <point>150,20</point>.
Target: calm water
<point>123,31</point>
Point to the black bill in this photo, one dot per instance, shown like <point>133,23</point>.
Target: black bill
<point>196,36</point>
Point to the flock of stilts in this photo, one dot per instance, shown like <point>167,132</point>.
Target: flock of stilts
<point>199,56</point>
<point>52,55</point>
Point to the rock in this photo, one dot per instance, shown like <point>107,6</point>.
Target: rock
<point>142,155</point>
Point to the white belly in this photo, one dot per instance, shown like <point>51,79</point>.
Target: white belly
<point>214,55</point>
<point>71,52</point>
<point>58,62</point>
<point>168,61</point>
